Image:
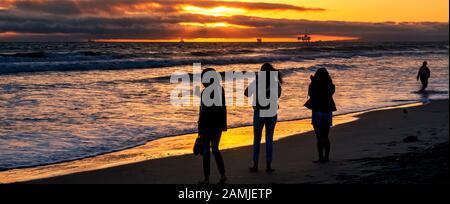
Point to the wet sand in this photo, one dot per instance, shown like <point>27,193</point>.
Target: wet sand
<point>161,148</point>
<point>376,134</point>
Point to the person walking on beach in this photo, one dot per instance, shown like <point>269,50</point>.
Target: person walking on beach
<point>263,114</point>
<point>321,91</point>
<point>424,74</point>
<point>212,121</point>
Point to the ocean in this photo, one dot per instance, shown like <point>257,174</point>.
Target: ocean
<point>66,101</point>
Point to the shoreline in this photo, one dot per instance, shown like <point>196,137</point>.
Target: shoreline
<point>172,146</point>
<point>357,148</point>
<point>349,114</point>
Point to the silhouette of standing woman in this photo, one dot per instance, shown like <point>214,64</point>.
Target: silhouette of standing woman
<point>424,74</point>
<point>212,121</point>
<point>321,91</point>
<point>260,121</point>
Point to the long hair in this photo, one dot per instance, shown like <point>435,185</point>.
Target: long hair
<point>206,84</point>
<point>267,67</point>
<point>322,78</point>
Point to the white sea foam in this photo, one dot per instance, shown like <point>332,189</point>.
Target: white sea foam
<point>50,117</point>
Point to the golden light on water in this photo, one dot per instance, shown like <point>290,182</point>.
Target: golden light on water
<point>161,148</point>
<point>315,38</point>
<point>168,147</point>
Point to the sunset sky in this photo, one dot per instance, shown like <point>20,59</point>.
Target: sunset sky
<point>225,20</point>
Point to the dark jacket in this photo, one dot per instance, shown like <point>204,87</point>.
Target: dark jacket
<point>424,73</point>
<point>212,119</point>
<point>321,97</point>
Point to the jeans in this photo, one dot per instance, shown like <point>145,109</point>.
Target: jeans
<point>213,140</point>
<point>258,125</point>
<point>322,119</point>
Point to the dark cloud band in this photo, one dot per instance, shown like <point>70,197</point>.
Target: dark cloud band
<point>93,19</point>
<point>102,7</point>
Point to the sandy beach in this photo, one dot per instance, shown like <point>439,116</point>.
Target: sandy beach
<point>357,149</point>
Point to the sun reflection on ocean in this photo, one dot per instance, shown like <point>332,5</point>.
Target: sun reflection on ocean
<point>168,147</point>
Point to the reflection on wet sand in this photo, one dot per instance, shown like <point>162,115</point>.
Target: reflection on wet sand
<point>167,147</point>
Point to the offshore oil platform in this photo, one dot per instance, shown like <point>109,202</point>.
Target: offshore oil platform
<point>305,38</point>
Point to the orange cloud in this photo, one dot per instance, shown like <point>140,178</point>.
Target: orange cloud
<point>214,25</point>
<point>216,11</point>
<point>8,34</point>
<point>136,7</point>
<point>190,19</point>
<point>209,4</point>
<point>6,4</point>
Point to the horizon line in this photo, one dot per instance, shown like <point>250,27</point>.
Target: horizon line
<point>86,41</point>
